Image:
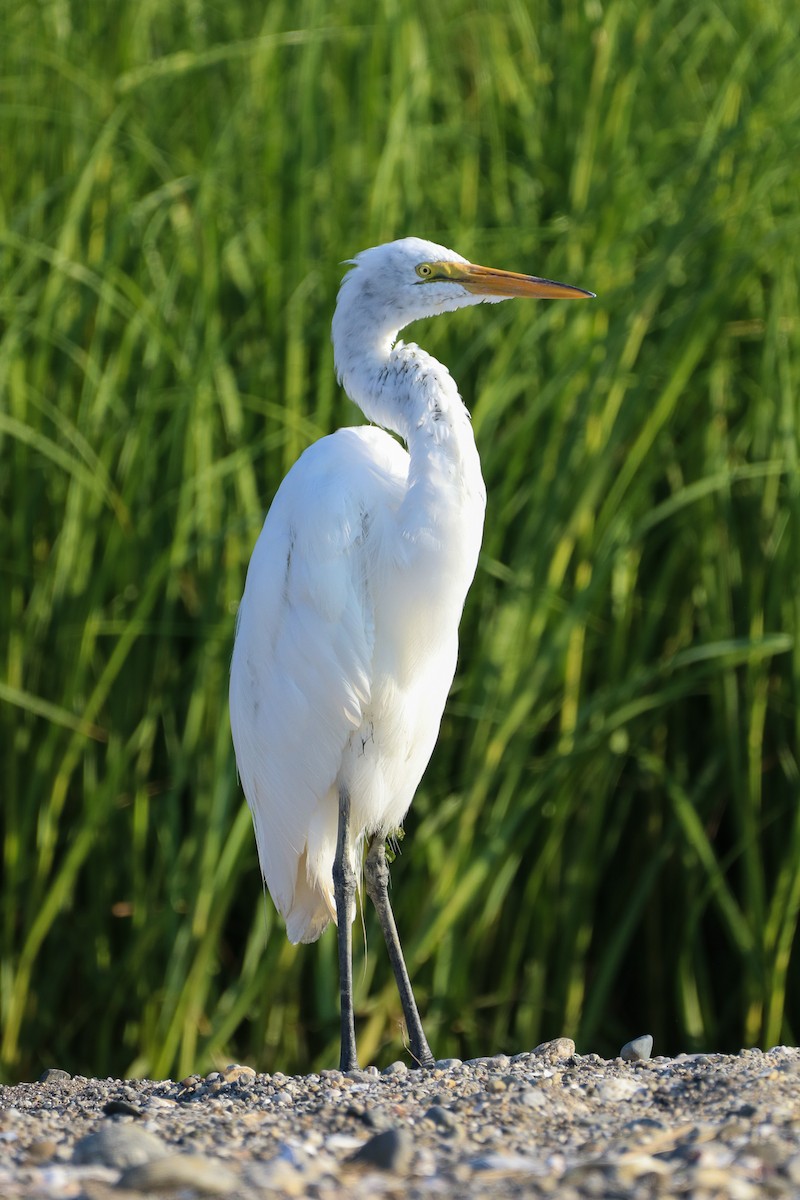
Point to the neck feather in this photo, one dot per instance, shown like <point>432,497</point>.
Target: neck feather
<point>404,389</point>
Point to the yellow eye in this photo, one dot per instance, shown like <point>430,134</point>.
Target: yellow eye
<point>424,270</point>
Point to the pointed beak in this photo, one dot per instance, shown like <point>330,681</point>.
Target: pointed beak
<point>487,281</point>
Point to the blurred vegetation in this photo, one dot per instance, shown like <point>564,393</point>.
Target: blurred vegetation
<point>607,840</point>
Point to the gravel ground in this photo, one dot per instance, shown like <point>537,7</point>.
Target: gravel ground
<point>545,1123</point>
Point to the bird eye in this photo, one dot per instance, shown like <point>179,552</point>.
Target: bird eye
<point>424,270</point>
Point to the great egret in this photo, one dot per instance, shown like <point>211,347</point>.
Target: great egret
<point>347,632</point>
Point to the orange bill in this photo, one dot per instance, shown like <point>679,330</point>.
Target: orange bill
<point>488,281</point>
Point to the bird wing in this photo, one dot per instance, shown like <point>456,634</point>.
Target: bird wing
<point>301,667</point>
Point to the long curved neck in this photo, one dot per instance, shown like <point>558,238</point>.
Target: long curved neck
<point>404,389</point>
<point>408,391</point>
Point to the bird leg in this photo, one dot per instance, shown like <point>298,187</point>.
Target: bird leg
<point>376,871</point>
<point>344,890</point>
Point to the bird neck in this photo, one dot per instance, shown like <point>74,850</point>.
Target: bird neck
<point>406,390</point>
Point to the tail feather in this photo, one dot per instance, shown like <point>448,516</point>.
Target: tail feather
<point>313,908</point>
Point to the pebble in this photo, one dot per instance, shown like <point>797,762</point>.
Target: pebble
<point>496,1085</point>
<point>544,1122</point>
<point>205,1175</point>
<point>115,1145</point>
<point>442,1117</point>
<point>638,1049</point>
<point>235,1073</point>
<point>42,1150</point>
<point>358,1076</point>
<point>618,1088</point>
<point>376,1118</point>
<point>276,1178</point>
<point>54,1075</point>
<point>507,1164</point>
<point>399,1068</point>
<point>124,1108</point>
<point>557,1049</point>
<point>390,1151</point>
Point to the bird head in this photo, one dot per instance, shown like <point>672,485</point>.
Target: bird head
<point>405,280</point>
<point>392,285</point>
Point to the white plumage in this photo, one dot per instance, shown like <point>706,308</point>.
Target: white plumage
<point>346,640</point>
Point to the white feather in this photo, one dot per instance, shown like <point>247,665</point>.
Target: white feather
<point>348,627</point>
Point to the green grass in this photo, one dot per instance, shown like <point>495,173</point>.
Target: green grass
<point>608,838</point>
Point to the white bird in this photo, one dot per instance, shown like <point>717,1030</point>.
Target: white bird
<point>347,631</point>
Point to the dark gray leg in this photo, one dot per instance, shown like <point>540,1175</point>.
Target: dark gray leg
<point>344,889</point>
<point>376,871</point>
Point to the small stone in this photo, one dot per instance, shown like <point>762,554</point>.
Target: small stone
<point>119,1145</point>
<point>277,1177</point>
<point>496,1085</point>
<point>558,1049</point>
<point>439,1115</point>
<point>712,1181</point>
<point>535,1098</point>
<point>507,1164</point>
<point>377,1119</point>
<point>236,1072</point>
<point>42,1150</point>
<point>54,1075</point>
<point>638,1049</point>
<point>397,1068</point>
<point>373,1118</point>
<point>390,1151</point>
<point>206,1175</point>
<point>617,1088</point>
<point>448,1064</point>
<point>734,1129</point>
<point>632,1166</point>
<point>442,1117</point>
<point>715,1155</point>
<point>643,1124</point>
<point>121,1108</point>
<point>340,1143</point>
<point>771,1154</point>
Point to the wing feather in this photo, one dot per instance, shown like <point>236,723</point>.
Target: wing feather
<point>301,671</point>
